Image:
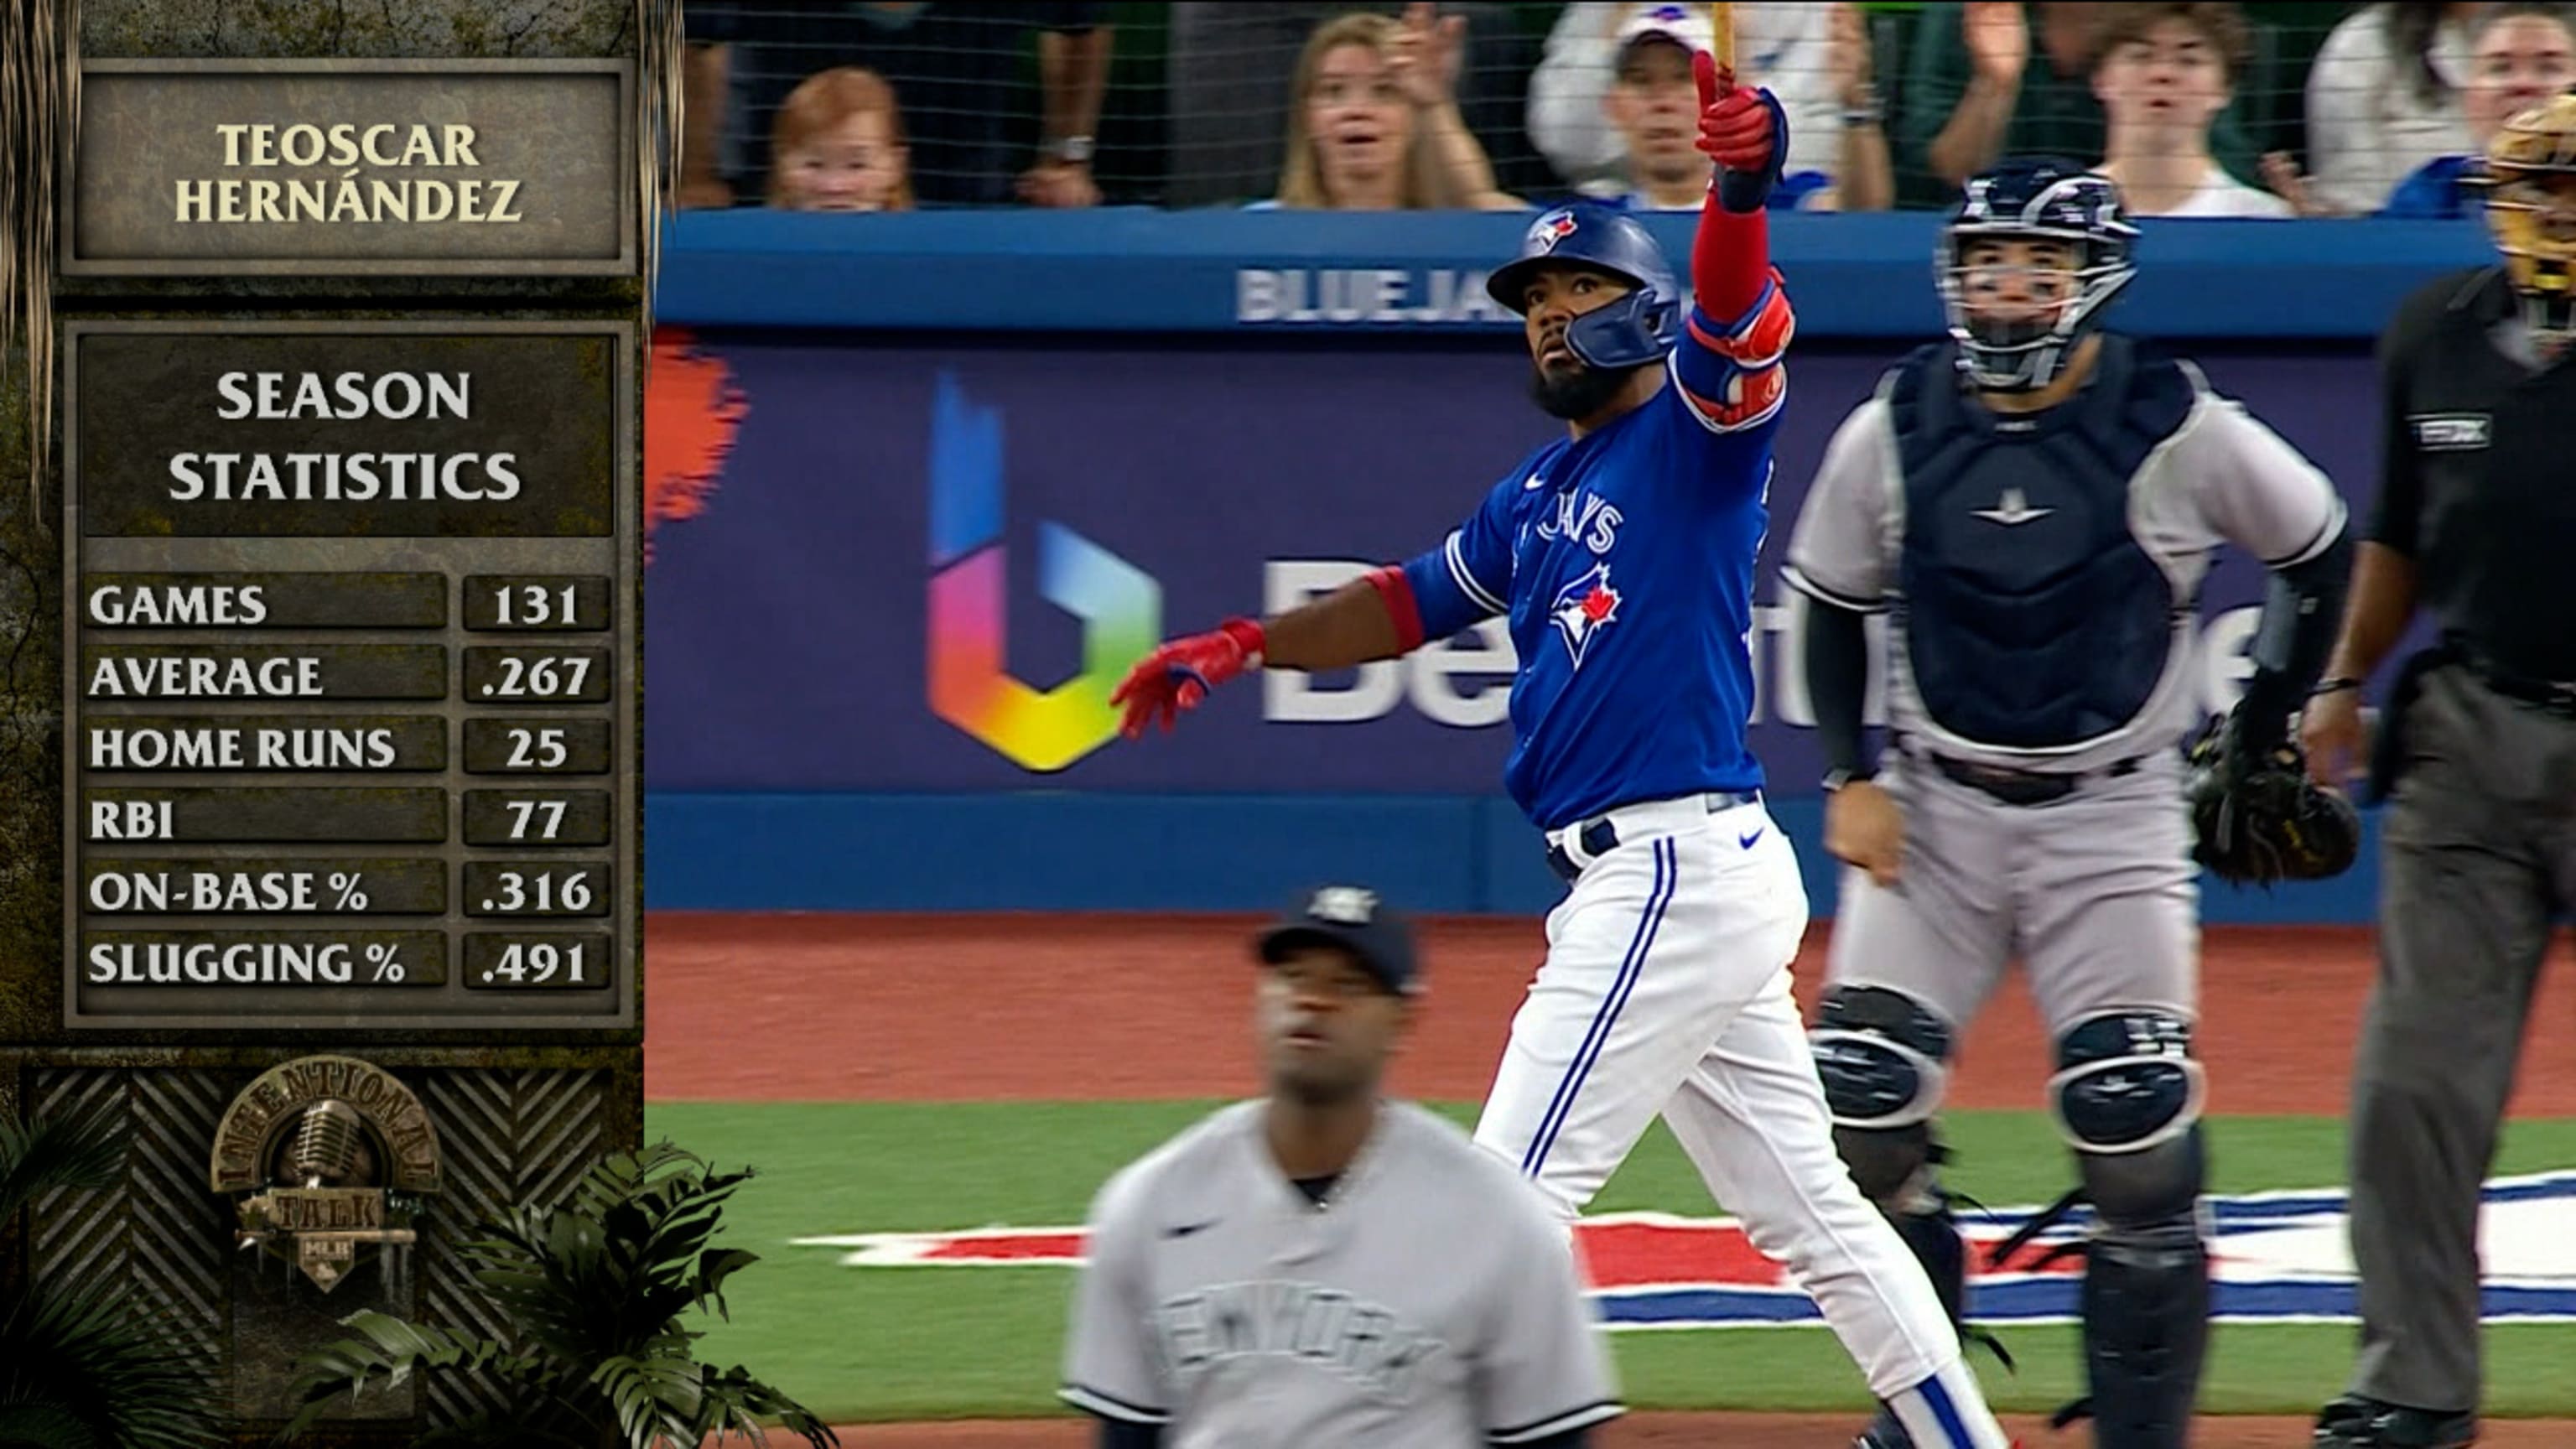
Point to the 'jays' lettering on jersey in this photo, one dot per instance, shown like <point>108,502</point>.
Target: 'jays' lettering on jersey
<point>1624,561</point>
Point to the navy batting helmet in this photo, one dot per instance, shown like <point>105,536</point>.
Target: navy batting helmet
<point>2035,198</point>
<point>1638,328</point>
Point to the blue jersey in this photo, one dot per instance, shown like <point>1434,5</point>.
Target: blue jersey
<point>1624,561</point>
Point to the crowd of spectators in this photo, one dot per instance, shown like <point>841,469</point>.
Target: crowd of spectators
<point>2196,108</point>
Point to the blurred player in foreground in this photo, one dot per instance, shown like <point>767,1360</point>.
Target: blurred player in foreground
<point>1623,557</point>
<point>2036,500</point>
<point>1325,1266</point>
<point>2476,756</point>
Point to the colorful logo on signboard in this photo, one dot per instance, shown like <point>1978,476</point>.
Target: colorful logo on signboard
<point>971,686</point>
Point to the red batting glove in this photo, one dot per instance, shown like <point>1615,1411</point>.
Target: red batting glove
<point>1180,674</point>
<point>1734,125</point>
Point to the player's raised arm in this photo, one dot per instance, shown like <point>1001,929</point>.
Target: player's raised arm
<point>1730,368</point>
<point>1383,614</point>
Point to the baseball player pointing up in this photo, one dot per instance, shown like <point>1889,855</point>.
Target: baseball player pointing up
<point>1324,1266</point>
<point>2034,501</point>
<point>1622,555</point>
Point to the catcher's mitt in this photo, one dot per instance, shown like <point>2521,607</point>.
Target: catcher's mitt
<point>2259,820</point>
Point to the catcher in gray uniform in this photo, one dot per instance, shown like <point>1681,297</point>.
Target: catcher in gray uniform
<point>1325,1266</point>
<point>2033,504</point>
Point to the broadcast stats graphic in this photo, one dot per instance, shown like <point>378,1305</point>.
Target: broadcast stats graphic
<point>970,686</point>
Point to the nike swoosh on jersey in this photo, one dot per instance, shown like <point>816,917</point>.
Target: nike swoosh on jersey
<point>1746,841</point>
<point>1183,1230</point>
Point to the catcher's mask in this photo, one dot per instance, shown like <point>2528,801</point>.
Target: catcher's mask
<point>2529,178</point>
<point>2033,199</point>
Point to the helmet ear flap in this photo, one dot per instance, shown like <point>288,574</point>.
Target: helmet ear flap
<point>1630,332</point>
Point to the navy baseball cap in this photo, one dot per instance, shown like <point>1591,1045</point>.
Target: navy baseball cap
<point>1355,920</point>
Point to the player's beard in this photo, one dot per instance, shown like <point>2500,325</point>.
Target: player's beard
<point>1578,392</point>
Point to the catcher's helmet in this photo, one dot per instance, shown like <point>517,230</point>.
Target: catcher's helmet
<point>1639,327</point>
<point>2525,156</point>
<point>2033,198</point>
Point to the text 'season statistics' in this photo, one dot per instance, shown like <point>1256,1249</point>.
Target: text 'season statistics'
<point>350,656</point>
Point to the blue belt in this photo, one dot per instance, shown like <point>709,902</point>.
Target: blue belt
<point>1599,837</point>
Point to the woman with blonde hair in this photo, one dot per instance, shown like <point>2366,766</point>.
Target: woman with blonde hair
<point>837,145</point>
<point>1374,125</point>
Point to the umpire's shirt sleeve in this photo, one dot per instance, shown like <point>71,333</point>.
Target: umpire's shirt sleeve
<point>1111,1366</point>
<point>1840,552</point>
<point>2397,514</point>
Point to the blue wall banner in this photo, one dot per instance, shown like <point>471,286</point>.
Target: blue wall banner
<point>1287,275</point>
<point>891,587</point>
<point>924,568</point>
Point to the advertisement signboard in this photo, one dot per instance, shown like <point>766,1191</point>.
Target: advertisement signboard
<point>922,569</point>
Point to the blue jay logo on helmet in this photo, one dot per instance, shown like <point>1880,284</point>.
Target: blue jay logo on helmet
<point>1636,329</point>
<point>2043,199</point>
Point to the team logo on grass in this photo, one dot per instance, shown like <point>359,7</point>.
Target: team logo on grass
<point>2282,1257</point>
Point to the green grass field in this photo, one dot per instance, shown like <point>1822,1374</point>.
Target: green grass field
<point>880,1344</point>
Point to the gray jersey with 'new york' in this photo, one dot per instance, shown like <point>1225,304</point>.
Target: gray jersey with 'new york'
<point>1431,1301</point>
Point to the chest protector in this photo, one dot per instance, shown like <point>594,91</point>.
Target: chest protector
<point>2033,616</point>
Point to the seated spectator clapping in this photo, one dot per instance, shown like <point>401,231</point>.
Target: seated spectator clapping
<point>1986,78</point>
<point>2164,72</point>
<point>837,145</point>
<point>1374,122</point>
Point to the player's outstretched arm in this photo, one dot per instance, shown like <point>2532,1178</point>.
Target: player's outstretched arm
<point>1383,614</point>
<point>1370,618</point>
<point>1740,321</point>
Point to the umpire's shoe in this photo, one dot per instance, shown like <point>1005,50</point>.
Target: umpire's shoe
<point>2354,1422</point>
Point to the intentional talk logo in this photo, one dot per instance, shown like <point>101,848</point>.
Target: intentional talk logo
<point>1120,605</point>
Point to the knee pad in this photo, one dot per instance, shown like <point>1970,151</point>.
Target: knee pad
<point>2128,1097</point>
<point>1883,1059</point>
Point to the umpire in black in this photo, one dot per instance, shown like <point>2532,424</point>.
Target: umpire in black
<point>2476,756</point>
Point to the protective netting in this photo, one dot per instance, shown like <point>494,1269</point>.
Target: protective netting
<point>2209,109</point>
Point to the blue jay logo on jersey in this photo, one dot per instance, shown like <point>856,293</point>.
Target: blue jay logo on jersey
<point>1583,609</point>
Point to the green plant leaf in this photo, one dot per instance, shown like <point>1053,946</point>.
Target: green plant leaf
<point>714,1267</point>
<point>45,1426</point>
<point>394,1349</point>
<point>45,1154</point>
<point>735,1400</point>
<point>654,1398</point>
<point>109,1358</point>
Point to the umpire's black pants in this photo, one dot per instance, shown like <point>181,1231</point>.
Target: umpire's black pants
<point>2478,857</point>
